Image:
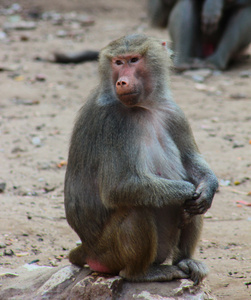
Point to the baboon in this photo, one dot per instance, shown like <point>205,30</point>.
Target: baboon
<point>213,31</point>
<point>136,186</point>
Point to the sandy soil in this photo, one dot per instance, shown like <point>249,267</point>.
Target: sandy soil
<point>38,104</point>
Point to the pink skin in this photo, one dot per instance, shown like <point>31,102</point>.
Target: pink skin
<point>97,266</point>
<point>130,75</point>
<point>208,49</point>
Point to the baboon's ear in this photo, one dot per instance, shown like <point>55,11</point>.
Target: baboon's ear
<point>165,46</point>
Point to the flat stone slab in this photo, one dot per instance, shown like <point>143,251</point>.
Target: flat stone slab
<point>71,282</point>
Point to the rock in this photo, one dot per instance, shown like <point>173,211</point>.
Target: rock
<point>61,33</point>
<point>228,137</point>
<point>224,182</point>
<point>2,245</point>
<point>17,150</point>
<point>238,96</point>
<point>238,144</point>
<point>208,89</point>
<point>19,101</point>
<point>21,254</point>
<point>145,295</point>
<point>198,75</point>
<point>96,287</point>
<point>56,279</point>
<point>43,166</point>
<point>40,77</point>
<point>3,35</point>
<point>28,279</point>
<point>8,68</point>
<point>24,37</point>
<point>2,186</point>
<point>71,282</point>
<point>188,288</point>
<point>245,74</point>
<point>13,9</point>
<point>36,141</point>
<point>7,274</point>
<point>85,20</point>
<point>21,25</point>
<point>8,252</point>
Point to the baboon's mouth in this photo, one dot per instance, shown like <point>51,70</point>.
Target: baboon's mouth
<point>129,94</point>
<point>129,99</point>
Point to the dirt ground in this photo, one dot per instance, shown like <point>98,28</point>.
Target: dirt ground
<point>38,104</point>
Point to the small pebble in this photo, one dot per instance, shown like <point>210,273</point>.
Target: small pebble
<point>2,187</point>
<point>8,252</point>
<point>40,77</point>
<point>224,182</point>
<point>36,141</point>
<point>245,74</point>
<point>238,96</point>
<point>2,245</point>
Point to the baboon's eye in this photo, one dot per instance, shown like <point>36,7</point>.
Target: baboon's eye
<point>134,59</point>
<point>118,62</point>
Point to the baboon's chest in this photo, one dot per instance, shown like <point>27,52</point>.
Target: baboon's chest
<point>161,155</point>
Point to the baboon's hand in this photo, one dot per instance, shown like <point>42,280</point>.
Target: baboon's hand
<point>201,202</point>
<point>189,189</point>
